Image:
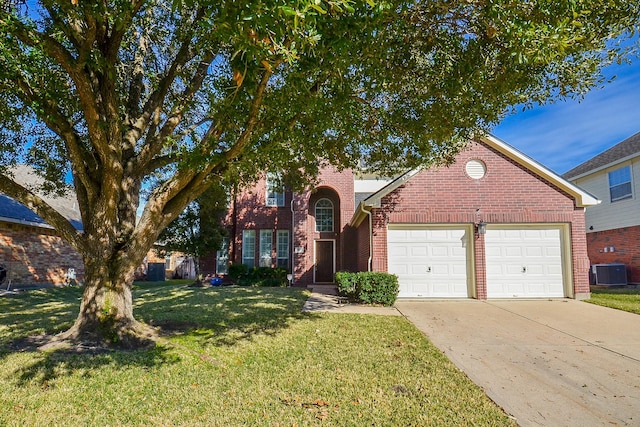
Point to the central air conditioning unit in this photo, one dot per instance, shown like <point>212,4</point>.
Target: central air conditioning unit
<point>609,274</point>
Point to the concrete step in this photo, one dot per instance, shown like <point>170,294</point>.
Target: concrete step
<point>324,289</point>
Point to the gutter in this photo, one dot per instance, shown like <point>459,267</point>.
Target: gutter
<point>603,167</point>
<point>25,222</point>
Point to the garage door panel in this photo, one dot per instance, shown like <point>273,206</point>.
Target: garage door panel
<point>511,234</point>
<point>417,270</point>
<point>435,264</point>
<point>440,251</point>
<point>398,251</point>
<point>534,251</point>
<point>459,251</point>
<point>511,269</point>
<point>513,252</point>
<point>536,269</point>
<point>460,269</point>
<point>402,269</point>
<point>532,233</point>
<point>554,269</point>
<point>493,251</point>
<point>553,251</point>
<point>418,251</point>
<point>524,263</point>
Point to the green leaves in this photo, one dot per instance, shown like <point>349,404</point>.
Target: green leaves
<point>229,89</point>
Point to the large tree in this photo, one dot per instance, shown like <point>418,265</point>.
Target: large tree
<point>191,94</point>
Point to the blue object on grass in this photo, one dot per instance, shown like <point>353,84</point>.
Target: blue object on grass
<point>216,281</point>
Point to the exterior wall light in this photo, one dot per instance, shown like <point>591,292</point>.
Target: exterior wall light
<point>482,227</point>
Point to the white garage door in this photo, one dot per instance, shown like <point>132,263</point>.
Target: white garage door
<point>524,263</point>
<point>430,262</point>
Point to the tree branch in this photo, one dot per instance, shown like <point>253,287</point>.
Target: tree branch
<point>55,120</point>
<point>84,89</point>
<point>254,111</point>
<point>185,98</point>
<point>153,106</point>
<point>40,207</point>
<point>58,52</point>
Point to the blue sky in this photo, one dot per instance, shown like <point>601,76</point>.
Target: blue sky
<point>567,133</point>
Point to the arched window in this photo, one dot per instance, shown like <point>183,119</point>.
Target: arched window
<point>324,215</point>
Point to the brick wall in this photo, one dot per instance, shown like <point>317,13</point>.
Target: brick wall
<point>251,213</point>
<point>363,244</point>
<point>35,255</point>
<point>626,249</point>
<point>507,194</point>
<point>337,187</point>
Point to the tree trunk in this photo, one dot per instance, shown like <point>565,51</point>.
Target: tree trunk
<point>106,310</point>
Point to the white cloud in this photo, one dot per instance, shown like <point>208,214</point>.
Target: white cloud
<point>565,134</point>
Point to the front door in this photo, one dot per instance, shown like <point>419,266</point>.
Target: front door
<point>325,264</point>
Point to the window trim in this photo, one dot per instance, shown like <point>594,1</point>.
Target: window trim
<point>282,252</point>
<point>265,248</point>
<point>273,197</point>
<point>626,196</point>
<point>222,257</point>
<point>246,253</point>
<point>325,208</point>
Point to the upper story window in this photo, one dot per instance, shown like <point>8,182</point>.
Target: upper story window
<point>324,215</point>
<point>275,192</point>
<point>620,184</point>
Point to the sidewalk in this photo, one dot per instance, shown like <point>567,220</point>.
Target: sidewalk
<point>331,303</point>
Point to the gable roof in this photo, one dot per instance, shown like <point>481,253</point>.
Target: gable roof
<point>581,197</point>
<point>14,211</point>
<point>620,152</point>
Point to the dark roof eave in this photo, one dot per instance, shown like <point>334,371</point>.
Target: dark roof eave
<point>627,149</point>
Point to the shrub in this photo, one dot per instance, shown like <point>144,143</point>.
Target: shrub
<point>267,276</point>
<point>238,273</point>
<point>368,287</point>
<point>347,282</point>
<point>377,288</point>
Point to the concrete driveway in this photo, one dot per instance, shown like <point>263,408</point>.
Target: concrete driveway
<point>547,363</point>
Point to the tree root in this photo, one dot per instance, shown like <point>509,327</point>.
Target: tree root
<point>127,335</point>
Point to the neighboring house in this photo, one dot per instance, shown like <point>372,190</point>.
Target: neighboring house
<point>495,224</point>
<point>613,227</point>
<point>174,265</point>
<point>33,253</point>
<point>31,250</point>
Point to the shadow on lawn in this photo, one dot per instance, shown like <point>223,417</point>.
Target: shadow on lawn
<point>206,317</point>
<point>60,363</point>
<point>221,316</point>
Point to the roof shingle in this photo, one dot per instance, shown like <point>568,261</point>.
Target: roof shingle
<point>626,148</point>
<point>10,209</point>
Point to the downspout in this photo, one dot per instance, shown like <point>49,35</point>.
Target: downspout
<point>368,213</point>
<point>234,223</point>
<point>293,235</point>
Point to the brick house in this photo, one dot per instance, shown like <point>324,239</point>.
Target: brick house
<point>30,249</point>
<point>33,253</point>
<point>495,224</point>
<point>613,226</point>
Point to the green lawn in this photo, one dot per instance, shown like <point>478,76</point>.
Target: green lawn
<point>627,299</point>
<point>232,357</point>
